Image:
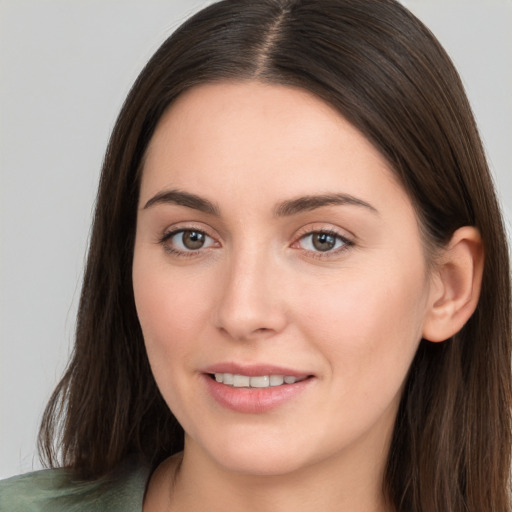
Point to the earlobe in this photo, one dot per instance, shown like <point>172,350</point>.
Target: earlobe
<point>456,285</point>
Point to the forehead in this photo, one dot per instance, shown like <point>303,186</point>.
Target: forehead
<point>248,136</point>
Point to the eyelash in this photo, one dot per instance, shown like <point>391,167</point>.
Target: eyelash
<point>346,243</point>
<point>164,241</point>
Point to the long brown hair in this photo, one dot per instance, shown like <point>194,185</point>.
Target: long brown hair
<point>385,72</point>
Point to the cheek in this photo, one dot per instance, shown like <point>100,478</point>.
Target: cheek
<point>172,312</point>
<point>368,326</point>
<point>169,306</point>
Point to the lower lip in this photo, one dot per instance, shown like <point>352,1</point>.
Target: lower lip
<point>254,400</point>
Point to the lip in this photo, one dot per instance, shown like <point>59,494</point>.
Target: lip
<point>253,370</point>
<point>254,400</point>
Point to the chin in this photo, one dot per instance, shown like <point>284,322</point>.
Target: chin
<point>264,456</point>
<point>260,463</point>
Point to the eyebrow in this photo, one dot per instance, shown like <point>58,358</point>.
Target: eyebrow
<point>307,203</point>
<point>183,199</point>
<point>284,209</point>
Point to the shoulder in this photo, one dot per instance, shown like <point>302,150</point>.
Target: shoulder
<point>56,490</point>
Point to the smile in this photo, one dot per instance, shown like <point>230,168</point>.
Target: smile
<point>257,393</point>
<point>257,381</point>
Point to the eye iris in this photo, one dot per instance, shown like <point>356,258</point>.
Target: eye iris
<point>323,241</point>
<point>193,239</point>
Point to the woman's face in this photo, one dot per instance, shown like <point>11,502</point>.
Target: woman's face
<point>273,242</point>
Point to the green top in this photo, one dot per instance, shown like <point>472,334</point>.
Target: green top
<point>55,490</point>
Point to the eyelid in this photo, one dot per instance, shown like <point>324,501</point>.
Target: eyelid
<point>188,226</point>
<point>171,231</point>
<point>172,234</point>
<point>309,230</point>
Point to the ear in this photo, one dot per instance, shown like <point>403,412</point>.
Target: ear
<point>455,286</point>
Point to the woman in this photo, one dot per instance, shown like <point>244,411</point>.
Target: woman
<point>298,251</point>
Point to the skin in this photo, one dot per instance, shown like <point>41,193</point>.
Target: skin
<point>259,291</point>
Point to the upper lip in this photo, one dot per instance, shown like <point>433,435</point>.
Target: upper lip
<point>254,370</point>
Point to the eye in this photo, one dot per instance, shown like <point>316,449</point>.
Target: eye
<point>323,241</point>
<point>187,240</point>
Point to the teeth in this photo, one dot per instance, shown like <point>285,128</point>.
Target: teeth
<point>259,381</point>
<point>241,381</point>
<point>276,380</point>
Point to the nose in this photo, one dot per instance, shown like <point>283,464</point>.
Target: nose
<point>252,301</point>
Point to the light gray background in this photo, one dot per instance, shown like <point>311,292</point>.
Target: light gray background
<point>65,68</point>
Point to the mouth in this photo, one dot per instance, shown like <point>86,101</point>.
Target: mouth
<point>255,388</point>
<point>255,394</point>
<point>255,381</point>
